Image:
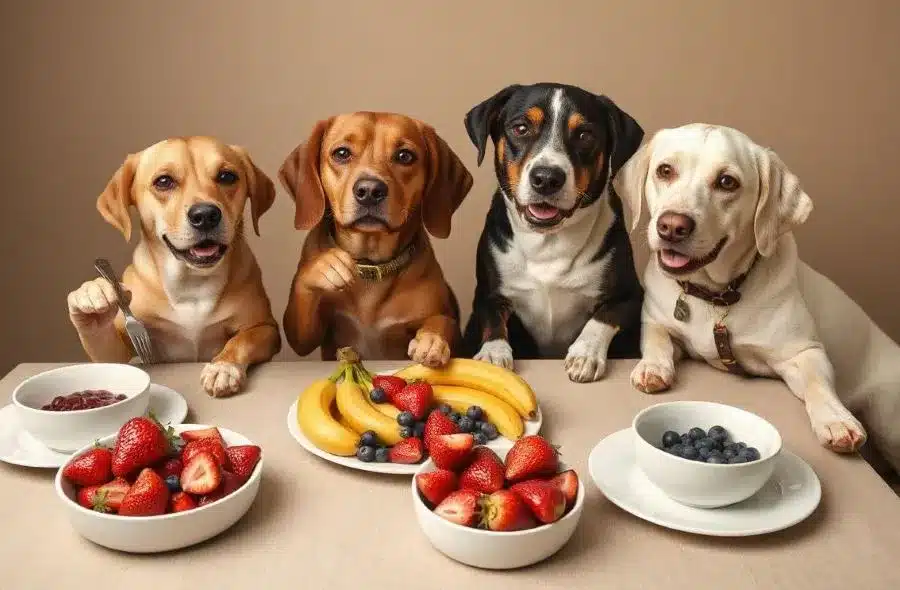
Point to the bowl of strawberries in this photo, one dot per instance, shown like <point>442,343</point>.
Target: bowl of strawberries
<point>151,488</point>
<point>501,507</point>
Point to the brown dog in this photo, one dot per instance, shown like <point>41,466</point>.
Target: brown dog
<point>193,281</point>
<point>367,184</point>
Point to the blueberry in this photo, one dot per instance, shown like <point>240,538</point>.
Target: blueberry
<point>750,453</point>
<point>455,417</point>
<point>480,438</point>
<point>729,453</point>
<point>407,431</point>
<point>704,453</point>
<point>475,413</point>
<point>406,419</point>
<point>690,453</point>
<point>738,459</point>
<point>670,438</point>
<point>419,429</point>
<point>466,424</point>
<point>676,450</point>
<point>378,395</point>
<point>366,454</point>
<point>707,443</point>
<point>696,433</point>
<point>685,438</point>
<point>718,433</point>
<point>173,483</point>
<point>740,445</point>
<point>381,455</point>
<point>716,459</point>
<point>445,409</point>
<point>716,453</point>
<point>368,439</point>
<point>489,431</point>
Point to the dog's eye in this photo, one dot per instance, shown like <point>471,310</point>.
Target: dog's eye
<point>341,154</point>
<point>585,137</point>
<point>726,182</point>
<point>664,171</point>
<point>405,156</point>
<point>164,182</point>
<point>226,177</point>
<point>520,130</point>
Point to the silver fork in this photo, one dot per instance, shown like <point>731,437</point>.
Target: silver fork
<point>133,327</point>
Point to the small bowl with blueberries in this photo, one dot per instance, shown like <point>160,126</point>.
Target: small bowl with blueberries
<point>705,454</point>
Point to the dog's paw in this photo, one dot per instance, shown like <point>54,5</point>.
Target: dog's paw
<point>429,349</point>
<point>221,379</point>
<point>836,428</point>
<point>649,377</point>
<point>497,352</point>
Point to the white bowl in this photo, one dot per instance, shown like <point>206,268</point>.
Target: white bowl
<point>68,431</point>
<point>494,549</point>
<point>697,484</point>
<point>166,532</point>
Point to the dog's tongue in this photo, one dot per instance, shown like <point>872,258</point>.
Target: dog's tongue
<point>673,259</point>
<point>205,251</point>
<point>543,211</point>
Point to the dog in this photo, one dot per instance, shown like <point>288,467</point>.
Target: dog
<point>725,285</point>
<point>555,274</point>
<point>193,281</point>
<point>368,185</point>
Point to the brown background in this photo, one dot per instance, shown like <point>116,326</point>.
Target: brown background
<point>87,82</point>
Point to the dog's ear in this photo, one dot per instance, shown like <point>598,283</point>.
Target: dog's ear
<point>115,200</point>
<point>260,188</point>
<point>447,184</point>
<point>481,119</point>
<point>625,135</point>
<point>300,176</point>
<point>631,179</point>
<point>782,203</point>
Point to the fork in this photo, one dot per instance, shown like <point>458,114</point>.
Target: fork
<point>136,331</point>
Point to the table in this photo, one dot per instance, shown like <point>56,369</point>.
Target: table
<point>316,525</point>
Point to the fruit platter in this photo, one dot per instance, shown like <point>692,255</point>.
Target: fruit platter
<point>385,423</point>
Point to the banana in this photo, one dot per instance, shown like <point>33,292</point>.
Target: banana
<point>497,381</point>
<point>316,421</point>
<point>498,412</point>
<point>389,410</point>
<point>354,406</point>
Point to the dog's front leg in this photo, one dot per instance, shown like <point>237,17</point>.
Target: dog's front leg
<point>810,376</point>
<point>226,373</point>
<point>656,370</point>
<point>432,343</point>
<point>586,357</point>
<point>495,348</point>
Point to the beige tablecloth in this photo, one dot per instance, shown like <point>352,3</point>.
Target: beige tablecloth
<point>315,525</point>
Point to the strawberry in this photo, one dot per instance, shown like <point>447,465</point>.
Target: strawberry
<point>181,502</point>
<point>436,425</point>
<point>408,450</point>
<point>484,473</point>
<point>504,510</point>
<point>230,482</point>
<point>209,445</point>
<point>531,457</point>
<point>567,482</point>
<point>109,496</point>
<point>201,475</point>
<point>451,451</point>
<point>93,468</point>
<point>389,384</point>
<point>461,507</point>
<point>545,500</point>
<point>169,467</point>
<point>416,398</point>
<point>87,497</point>
<point>148,496</point>
<point>212,432</point>
<point>142,441</point>
<point>243,459</point>
<point>436,485</point>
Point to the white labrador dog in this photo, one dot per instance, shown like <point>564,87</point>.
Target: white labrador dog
<point>721,212</point>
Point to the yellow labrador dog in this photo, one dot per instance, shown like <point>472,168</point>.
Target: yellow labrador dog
<point>725,285</point>
<point>193,280</point>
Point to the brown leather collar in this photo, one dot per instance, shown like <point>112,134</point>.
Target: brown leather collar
<point>729,296</point>
<point>380,271</point>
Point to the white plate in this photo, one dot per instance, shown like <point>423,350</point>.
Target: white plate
<point>790,495</point>
<point>531,427</point>
<point>20,448</point>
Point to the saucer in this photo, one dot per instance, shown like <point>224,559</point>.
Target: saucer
<point>789,497</point>
<point>20,448</point>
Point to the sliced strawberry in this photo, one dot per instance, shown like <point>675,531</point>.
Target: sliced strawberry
<point>212,432</point>
<point>408,450</point>
<point>504,510</point>
<point>230,482</point>
<point>149,496</point>
<point>531,457</point>
<point>545,500</point>
<point>243,459</point>
<point>436,485</point>
<point>169,467</point>
<point>209,445</point>
<point>484,473</point>
<point>438,424</point>
<point>461,507</point>
<point>567,482</point>
<point>93,468</point>
<point>202,474</point>
<point>109,496</point>
<point>451,451</point>
<point>181,502</point>
<point>389,384</point>
<point>415,398</point>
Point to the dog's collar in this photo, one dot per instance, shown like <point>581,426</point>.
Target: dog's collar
<point>729,296</point>
<point>378,272</point>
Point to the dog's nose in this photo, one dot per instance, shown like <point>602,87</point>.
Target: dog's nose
<point>674,227</point>
<point>204,216</point>
<point>546,180</point>
<point>369,191</point>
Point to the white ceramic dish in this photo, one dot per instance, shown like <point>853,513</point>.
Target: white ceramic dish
<point>166,532</point>
<point>18,447</point>
<point>789,497</point>
<point>698,484</point>
<point>491,549</point>
<point>68,431</point>
<point>531,427</point>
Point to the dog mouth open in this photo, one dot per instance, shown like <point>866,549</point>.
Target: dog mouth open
<point>203,254</point>
<point>542,215</point>
<point>676,263</point>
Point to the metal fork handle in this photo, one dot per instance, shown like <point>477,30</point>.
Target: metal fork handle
<point>106,271</point>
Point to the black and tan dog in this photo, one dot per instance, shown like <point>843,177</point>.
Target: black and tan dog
<point>555,272</point>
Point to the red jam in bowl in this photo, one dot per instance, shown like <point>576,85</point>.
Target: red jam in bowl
<point>82,400</point>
